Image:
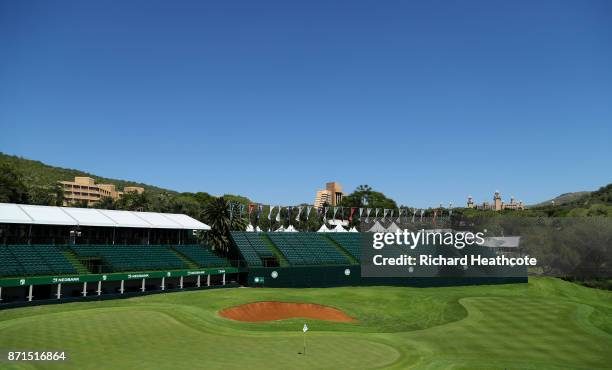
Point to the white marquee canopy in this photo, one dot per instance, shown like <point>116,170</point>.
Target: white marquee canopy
<point>67,216</point>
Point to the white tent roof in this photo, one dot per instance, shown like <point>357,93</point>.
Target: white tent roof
<point>323,229</point>
<point>46,215</point>
<point>280,229</point>
<point>159,219</point>
<point>353,230</point>
<point>392,228</point>
<point>377,228</point>
<point>129,219</point>
<point>290,229</point>
<point>334,222</point>
<point>258,229</point>
<point>338,229</point>
<point>250,228</point>
<point>85,217</point>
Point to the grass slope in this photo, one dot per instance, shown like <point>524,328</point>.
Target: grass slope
<point>40,174</point>
<point>547,323</point>
<point>564,199</point>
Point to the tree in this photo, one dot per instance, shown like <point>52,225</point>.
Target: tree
<point>58,192</point>
<point>363,194</point>
<point>12,188</point>
<point>217,215</point>
<point>105,203</point>
<point>41,196</point>
<point>185,203</point>
<point>80,204</point>
<point>134,202</point>
<point>46,195</point>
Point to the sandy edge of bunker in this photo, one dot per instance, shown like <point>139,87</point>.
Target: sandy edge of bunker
<point>273,310</point>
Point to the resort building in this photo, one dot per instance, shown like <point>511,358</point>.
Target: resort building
<point>497,205</point>
<point>332,195</point>
<point>86,189</point>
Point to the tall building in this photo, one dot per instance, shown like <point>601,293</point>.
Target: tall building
<point>86,189</point>
<point>497,205</point>
<point>332,195</point>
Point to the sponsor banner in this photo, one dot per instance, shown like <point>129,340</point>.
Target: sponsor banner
<point>68,279</point>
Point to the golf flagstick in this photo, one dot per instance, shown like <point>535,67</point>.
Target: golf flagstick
<point>305,329</point>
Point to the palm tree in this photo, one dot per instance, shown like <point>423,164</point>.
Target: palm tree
<point>217,215</point>
<point>58,192</point>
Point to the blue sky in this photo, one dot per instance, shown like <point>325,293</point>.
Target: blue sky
<point>427,101</point>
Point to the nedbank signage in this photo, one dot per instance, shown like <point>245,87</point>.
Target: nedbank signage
<point>41,280</point>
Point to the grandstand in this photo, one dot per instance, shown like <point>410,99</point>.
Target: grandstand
<point>351,242</point>
<point>298,249</point>
<point>307,249</point>
<point>58,253</point>
<point>119,258</point>
<point>24,260</point>
<point>253,249</point>
<point>201,255</point>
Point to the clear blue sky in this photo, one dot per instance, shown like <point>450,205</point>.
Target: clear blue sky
<point>426,101</point>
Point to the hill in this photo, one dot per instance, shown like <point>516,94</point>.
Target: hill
<point>564,199</point>
<point>38,174</point>
<point>602,195</point>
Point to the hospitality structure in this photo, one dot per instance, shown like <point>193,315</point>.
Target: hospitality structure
<point>497,205</point>
<point>85,189</point>
<point>331,195</point>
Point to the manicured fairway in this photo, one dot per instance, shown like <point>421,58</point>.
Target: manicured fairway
<point>547,323</point>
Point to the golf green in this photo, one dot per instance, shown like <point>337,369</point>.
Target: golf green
<point>547,323</point>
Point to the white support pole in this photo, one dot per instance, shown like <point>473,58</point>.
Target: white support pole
<point>223,278</point>
<point>122,285</point>
<point>84,289</point>
<point>199,278</point>
<point>58,294</point>
<point>163,286</point>
<point>99,287</point>
<point>181,283</point>
<point>142,287</point>
<point>207,280</point>
<point>0,294</point>
<point>30,294</point>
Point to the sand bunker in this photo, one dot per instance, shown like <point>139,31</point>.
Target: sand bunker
<point>268,311</point>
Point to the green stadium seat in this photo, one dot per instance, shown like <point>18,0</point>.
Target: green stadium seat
<point>252,247</point>
<point>307,248</point>
<point>118,258</point>
<point>201,255</point>
<point>349,241</point>
<point>28,260</point>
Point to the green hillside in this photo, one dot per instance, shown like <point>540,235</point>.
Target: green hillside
<point>564,199</point>
<point>38,174</point>
<point>602,195</point>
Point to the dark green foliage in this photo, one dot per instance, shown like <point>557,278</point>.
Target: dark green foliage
<point>365,194</point>
<point>33,182</point>
<point>217,215</point>
<point>134,202</point>
<point>375,199</point>
<point>12,187</point>
<point>36,173</point>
